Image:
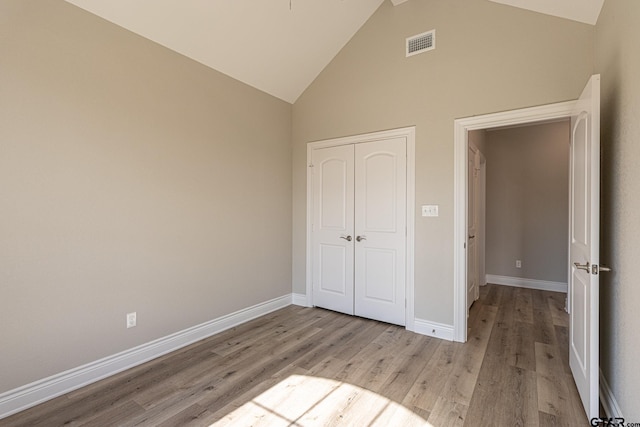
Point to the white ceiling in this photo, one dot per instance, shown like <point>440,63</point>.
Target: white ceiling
<point>586,11</point>
<point>277,46</point>
<point>263,43</point>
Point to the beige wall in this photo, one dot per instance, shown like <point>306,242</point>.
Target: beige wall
<point>528,201</point>
<point>618,61</point>
<point>489,58</point>
<point>131,179</point>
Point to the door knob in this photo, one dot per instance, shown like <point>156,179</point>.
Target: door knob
<point>361,238</point>
<point>348,238</point>
<point>586,267</point>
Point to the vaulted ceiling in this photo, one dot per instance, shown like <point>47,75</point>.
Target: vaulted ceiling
<point>277,46</point>
<point>586,11</point>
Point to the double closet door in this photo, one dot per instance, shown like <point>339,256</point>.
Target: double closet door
<point>359,229</point>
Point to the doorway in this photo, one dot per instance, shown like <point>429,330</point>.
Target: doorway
<point>527,116</point>
<point>528,209</point>
<point>584,232</point>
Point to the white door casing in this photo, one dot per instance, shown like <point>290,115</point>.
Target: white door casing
<point>333,228</point>
<point>380,224</point>
<point>584,241</point>
<point>405,268</point>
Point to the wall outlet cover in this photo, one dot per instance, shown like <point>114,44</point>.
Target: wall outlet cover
<point>131,320</point>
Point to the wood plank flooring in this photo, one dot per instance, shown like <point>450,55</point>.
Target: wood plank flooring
<point>312,367</point>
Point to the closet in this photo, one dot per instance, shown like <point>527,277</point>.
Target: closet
<point>358,229</point>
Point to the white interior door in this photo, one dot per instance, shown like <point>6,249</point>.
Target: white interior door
<point>380,224</point>
<point>332,231</point>
<point>584,245</point>
<point>473,227</point>
<point>359,229</point>
<point>482,224</point>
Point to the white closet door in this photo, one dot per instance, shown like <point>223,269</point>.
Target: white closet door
<point>380,230</point>
<point>332,232</point>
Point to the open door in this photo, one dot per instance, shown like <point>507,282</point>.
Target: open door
<point>584,241</point>
<point>473,219</point>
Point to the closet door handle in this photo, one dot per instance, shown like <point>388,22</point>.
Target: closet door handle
<point>361,238</point>
<point>586,267</point>
<point>348,238</point>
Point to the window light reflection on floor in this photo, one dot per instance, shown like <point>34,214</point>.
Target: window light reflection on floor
<point>305,401</point>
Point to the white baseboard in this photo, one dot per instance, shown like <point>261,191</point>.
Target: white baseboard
<point>608,400</point>
<point>300,299</point>
<point>40,391</point>
<point>433,329</point>
<point>520,282</point>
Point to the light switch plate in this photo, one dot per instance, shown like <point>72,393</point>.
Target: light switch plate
<point>429,210</point>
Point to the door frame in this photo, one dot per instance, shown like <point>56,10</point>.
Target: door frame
<point>523,116</point>
<point>409,133</point>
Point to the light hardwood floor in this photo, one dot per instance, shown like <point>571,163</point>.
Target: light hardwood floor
<point>312,367</point>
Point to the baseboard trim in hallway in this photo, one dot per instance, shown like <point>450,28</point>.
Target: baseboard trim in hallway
<point>520,282</point>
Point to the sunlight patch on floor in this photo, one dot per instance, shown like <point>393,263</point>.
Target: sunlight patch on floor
<point>301,400</point>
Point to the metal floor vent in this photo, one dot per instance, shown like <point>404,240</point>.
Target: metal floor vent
<point>421,43</point>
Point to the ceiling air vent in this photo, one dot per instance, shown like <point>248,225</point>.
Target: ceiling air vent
<point>421,43</point>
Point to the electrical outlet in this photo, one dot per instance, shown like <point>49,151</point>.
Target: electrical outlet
<point>131,320</point>
<point>518,263</point>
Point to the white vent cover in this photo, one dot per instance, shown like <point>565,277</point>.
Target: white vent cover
<point>421,43</point>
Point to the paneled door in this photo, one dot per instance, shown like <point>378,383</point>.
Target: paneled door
<point>380,224</point>
<point>473,292</point>
<point>584,245</point>
<point>333,244</point>
<point>359,229</point>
